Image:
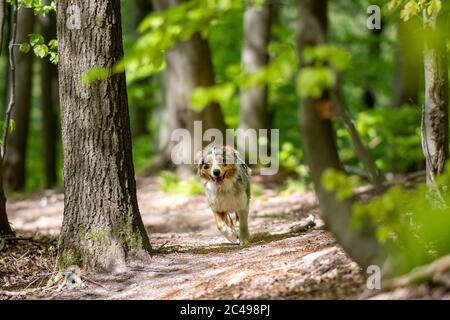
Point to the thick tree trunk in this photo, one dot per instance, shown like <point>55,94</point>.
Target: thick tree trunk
<point>435,116</point>
<point>102,227</point>
<point>15,158</point>
<point>257,24</point>
<point>189,65</point>
<point>320,146</point>
<point>50,101</point>
<point>408,67</point>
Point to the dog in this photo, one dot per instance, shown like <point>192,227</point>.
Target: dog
<point>226,183</point>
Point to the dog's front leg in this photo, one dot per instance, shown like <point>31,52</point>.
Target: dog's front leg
<point>222,226</point>
<point>244,235</point>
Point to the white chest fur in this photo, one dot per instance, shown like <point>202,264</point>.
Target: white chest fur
<point>225,198</point>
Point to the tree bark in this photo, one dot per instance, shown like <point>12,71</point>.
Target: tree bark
<point>50,101</point>
<point>102,226</point>
<point>15,158</point>
<point>375,39</point>
<point>5,227</point>
<point>408,66</point>
<point>188,66</point>
<point>435,114</point>
<point>320,146</point>
<point>257,24</point>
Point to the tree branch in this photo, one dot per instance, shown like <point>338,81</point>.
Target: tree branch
<point>361,151</point>
<point>420,274</point>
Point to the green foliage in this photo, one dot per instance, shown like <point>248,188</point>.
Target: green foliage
<point>142,152</point>
<point>40,49</point>
<point>291,157</point>
<point>313,81</point>
<point>291,186</point>
<point>95,74</point>
<point>202,96</point>
<point>160,31</point>
<point>276,73</point>
<point>11,126</point>
<point>412,8</point>
<point>412,226</point>
<point>256,190</point>
<point>319,74</point>
<point>36,5</point>
<point>339,182</point>
<point>392,136</point>
<point>171,183</point>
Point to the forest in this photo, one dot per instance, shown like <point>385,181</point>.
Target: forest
<point>224,149</point>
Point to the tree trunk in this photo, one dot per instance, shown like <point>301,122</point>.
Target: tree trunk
<point>257,24</point>
<point>5,228</point>
<point>15,158</point>
<point>102,227</point>
<point>320,146</point>
<point>408,66</point>
<point>50,101</point>
<point>189,65</point>
<point>375,39</point>
<point>5,52</point>
<point>435,116</point>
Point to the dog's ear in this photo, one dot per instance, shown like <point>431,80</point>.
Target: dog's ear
<point>198,161</point>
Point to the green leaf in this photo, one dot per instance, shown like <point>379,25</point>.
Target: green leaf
<point>53,44</point>
<point>35,39</point>
<point>313,81</point>
<point>25,47</point>
<point>40,50</point>
<point>95,74</point>
<point>54,58</point>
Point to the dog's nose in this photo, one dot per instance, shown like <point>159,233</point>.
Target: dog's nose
<point>216,172</point>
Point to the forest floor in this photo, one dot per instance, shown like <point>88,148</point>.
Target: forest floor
<point>193,261</point>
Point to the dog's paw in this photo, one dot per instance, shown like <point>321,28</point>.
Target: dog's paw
<point>244,241</point>
<point>231,235</point>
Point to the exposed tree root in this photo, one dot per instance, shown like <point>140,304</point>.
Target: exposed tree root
<point>433,272</point>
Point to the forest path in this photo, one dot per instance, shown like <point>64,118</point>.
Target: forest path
<point>195,261</point>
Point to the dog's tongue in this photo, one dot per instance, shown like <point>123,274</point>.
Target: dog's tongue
<point>219,182</point>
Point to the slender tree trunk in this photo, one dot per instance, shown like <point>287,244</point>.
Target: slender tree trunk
<point>5,228</point>
<point>5,52</point>
<point>320,146</point>
<point>435,115</point>
<point>408,66</point>
<point>257,24</point>
<point>363,154</point>
<point>189,65</point>
<point>375,39</point>
<point>15,158</point>
<point>50,101</point>
<point>102,227</point>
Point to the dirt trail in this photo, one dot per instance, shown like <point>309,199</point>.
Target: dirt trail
<point>196,262</point>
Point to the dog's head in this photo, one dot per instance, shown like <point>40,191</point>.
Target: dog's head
<point>218,164</point>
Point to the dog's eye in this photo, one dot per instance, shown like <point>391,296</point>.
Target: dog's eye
<point>205,166</point>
